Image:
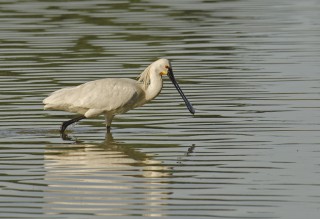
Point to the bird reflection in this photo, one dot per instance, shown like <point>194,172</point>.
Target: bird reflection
<point>182,158</point>
<point>109,176</point>
<point>128,153</point>
<point>108,153</point>
<point>106,172</point>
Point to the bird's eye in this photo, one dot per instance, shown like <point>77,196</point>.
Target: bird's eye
<point>166,66</point>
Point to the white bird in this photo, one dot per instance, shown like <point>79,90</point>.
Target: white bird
<point>112,96</point>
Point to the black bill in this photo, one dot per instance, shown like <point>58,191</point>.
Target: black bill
<point>175,83</point>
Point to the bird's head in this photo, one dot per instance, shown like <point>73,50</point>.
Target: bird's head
<point>163,66</point>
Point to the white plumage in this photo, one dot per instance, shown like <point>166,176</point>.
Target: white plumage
<point>95,97</point>
<point>112,96</point>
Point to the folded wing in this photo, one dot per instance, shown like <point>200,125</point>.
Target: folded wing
<point>96,97</point>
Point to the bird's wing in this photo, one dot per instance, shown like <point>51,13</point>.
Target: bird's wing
<point>113,95</point>
<point>109,94</point>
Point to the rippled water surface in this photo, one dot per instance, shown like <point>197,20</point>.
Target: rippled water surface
<point>250,68</point>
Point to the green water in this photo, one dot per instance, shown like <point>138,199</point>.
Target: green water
<point>250,68</point>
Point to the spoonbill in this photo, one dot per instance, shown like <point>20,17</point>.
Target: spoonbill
<point>112,96</point>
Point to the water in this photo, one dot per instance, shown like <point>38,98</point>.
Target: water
<point>250,68</point>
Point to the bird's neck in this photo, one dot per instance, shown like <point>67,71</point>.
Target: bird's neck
<point>154,87</point>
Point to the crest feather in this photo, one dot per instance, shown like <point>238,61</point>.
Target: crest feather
<point>145,77</point>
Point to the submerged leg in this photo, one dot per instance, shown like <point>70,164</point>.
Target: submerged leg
<point>69,122</point>
<point>108,118</point>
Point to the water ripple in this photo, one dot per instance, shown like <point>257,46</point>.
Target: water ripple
<point>250,69</point>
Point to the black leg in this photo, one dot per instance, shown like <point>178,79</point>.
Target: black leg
<point>108,129</point>
<point>69,122</point>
